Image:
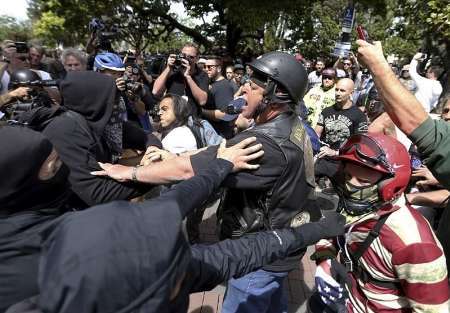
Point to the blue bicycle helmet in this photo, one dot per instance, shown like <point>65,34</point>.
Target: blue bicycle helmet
<point>109,61</point>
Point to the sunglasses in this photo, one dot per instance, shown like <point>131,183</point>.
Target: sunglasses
<point>347,63</point>
<point>327,77</point>
<point>445,111</point>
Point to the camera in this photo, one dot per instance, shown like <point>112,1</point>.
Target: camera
<point>178,64</point>
<point>36,98</point>
<point>104,32</point>
<point>134,87</point>
<point>21,47</point>
<point>155,64</point>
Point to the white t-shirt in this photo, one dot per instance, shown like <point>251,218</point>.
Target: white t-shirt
<point>428,90</point>
<point>179,140</point>
<point>4,82</point>
<point>314,79</point>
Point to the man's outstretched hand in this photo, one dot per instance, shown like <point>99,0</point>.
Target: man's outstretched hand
<point>118,172</point>
<point>333,224</point>
<point>241,154</point>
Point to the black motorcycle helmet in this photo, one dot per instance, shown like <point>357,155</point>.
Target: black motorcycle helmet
<point>282,69</point>
<point>22,77</point>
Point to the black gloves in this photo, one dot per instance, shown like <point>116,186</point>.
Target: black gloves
<point>330,226</point>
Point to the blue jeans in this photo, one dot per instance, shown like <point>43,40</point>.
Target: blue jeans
<point>256,292</point>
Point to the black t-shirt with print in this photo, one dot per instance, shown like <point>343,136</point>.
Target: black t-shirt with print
<point>339,124</point>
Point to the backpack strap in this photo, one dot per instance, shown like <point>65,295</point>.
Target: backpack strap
<point>357,269</point>
<point>373,234</point>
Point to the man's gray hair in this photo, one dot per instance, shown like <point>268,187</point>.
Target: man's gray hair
<point>73,52</point>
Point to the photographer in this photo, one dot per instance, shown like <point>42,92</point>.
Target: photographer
<point>26,92</point>
<point>183,77</point>
<point>138,98</point>
<point>14,57</point>
<point>102,33</point>
<point>129,106</point>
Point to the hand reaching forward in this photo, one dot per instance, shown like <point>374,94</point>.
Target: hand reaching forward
<point>425,173</point>
<point>118,172</point>
<point>241,154</point>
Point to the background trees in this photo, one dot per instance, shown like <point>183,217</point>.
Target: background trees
<point>237,27</point>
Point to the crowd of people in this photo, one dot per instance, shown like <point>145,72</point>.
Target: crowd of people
<point>108,168</point>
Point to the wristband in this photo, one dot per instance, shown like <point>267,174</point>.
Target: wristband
<point>134,172</point>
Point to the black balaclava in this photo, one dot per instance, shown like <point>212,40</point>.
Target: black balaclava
<point>23,153</point>
<point>94,96</point>
<point>117,257</point>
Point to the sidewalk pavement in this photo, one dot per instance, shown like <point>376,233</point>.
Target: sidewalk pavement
<point>299,284</point>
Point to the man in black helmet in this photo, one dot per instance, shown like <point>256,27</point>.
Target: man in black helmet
<point>275,195</point>
<point>24,93</point>
<point>271,196</point>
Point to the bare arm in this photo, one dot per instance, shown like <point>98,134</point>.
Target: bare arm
<point>180,168</point>
<point>403,108</point>
<point>159,86</point>
<point>200,95</point>
<point>382,125</point>
<point>213,115</point>
<point>436,198</point>
<point>318,129</point>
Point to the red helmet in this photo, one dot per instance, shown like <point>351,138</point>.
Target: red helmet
<point>383,154</point>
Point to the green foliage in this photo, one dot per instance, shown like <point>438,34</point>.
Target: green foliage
<point>310,26</point>
<point>11,29</point>
<point>49,28</point>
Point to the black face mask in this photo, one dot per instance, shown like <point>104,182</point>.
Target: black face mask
<point>52,191</point>
<point>181,303</point>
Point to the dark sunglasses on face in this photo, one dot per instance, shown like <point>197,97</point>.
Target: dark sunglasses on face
<point>445,111</point>
<point>347,63</point>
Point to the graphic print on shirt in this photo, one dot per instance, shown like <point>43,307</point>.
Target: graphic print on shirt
<point>337,129</point>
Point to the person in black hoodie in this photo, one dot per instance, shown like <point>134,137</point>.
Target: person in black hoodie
<point>87,129</point>
<point>134,257</point>
<point>34,191</point>
<point>34,198</point>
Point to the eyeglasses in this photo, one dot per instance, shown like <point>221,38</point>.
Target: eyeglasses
<point>347,63</point>
<point>445,111</point>
<point>327,77</point>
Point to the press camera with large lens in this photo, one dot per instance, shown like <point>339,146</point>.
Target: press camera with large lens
<point>104,31</point>
<point>134,87</point>
<point>37,97</point>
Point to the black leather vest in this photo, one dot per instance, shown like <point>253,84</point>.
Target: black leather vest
<point>245,211</point>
